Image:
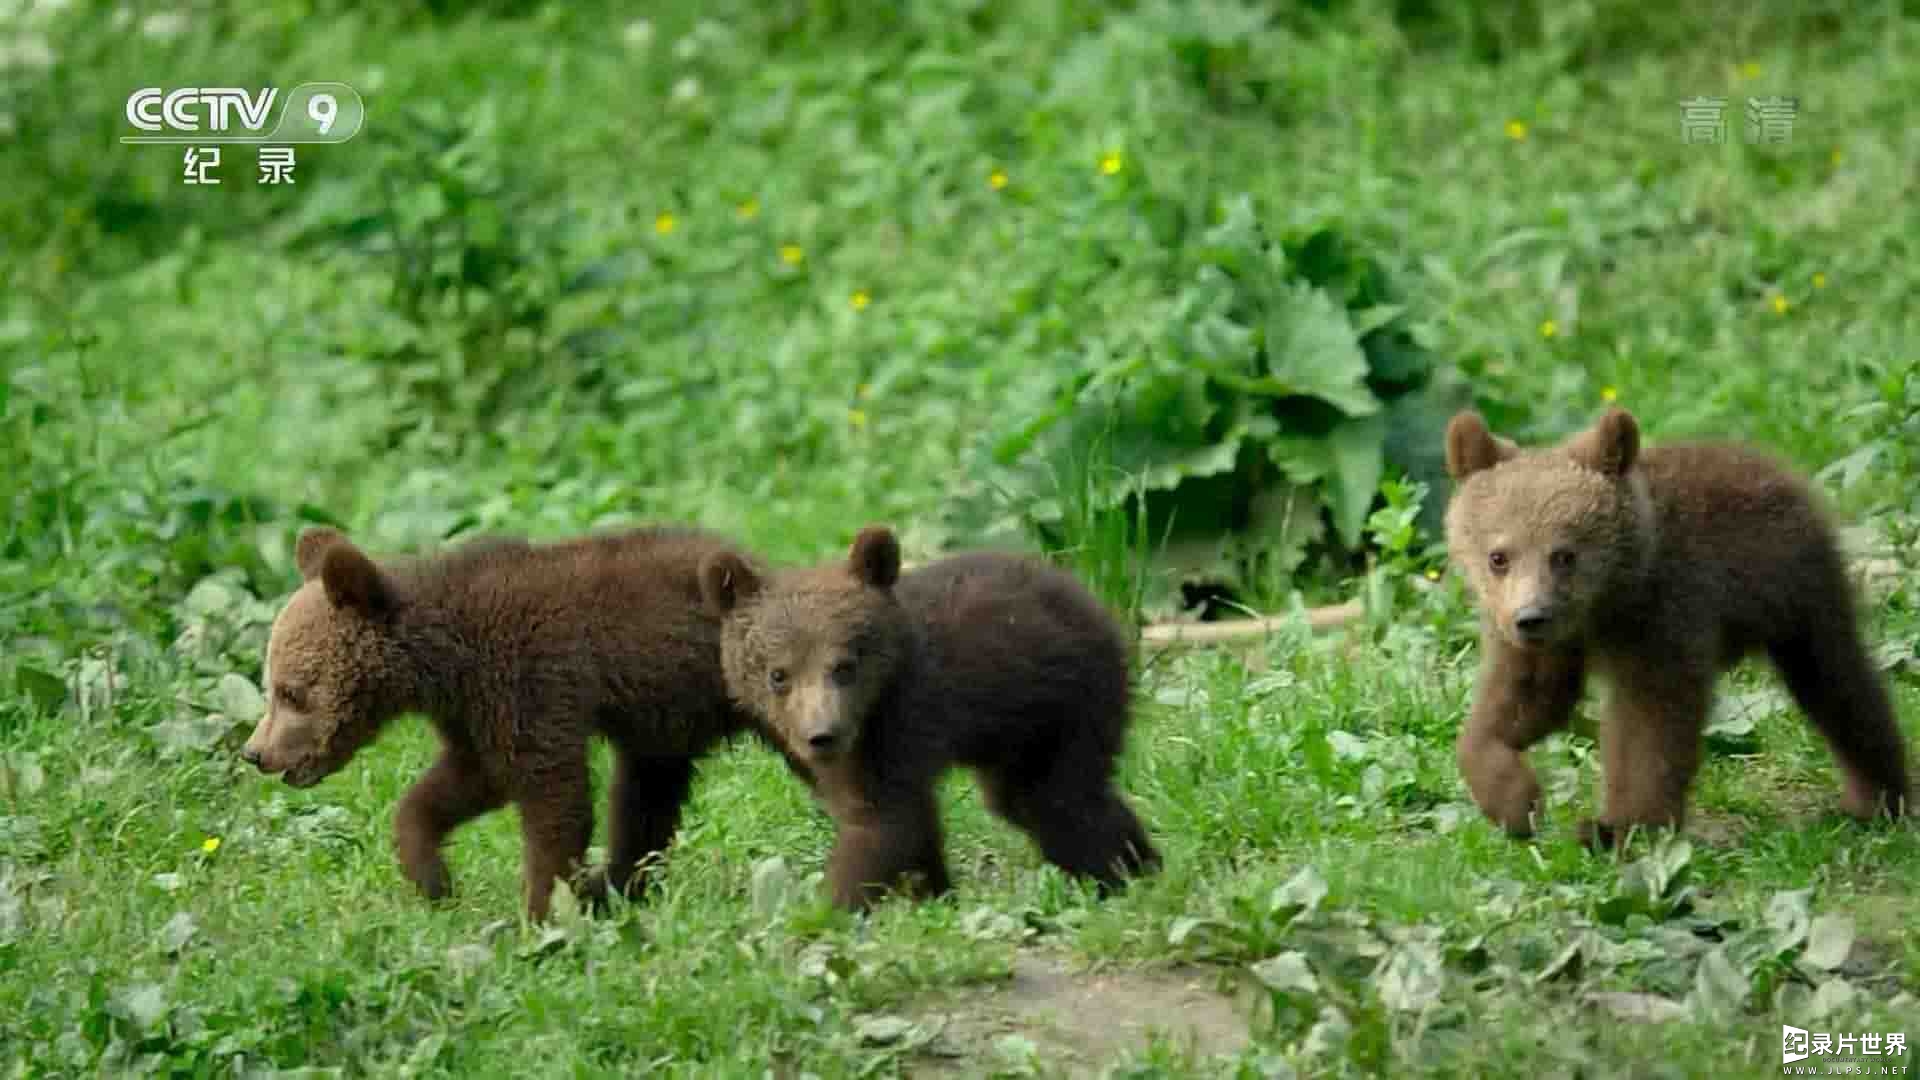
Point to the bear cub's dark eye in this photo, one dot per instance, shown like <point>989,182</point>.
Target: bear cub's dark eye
<point>777,680</point>
<point>1561,560</point>
<point>1498,561</point>
<point>843,673</point>
<point>290,697</point>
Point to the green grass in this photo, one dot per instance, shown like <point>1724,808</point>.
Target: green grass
<point>190,374</point>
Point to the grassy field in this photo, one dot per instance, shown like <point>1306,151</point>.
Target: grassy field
<point>782,270</point>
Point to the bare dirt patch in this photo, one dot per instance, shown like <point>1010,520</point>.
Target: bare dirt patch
<point>1717,829</point>
<point>1073,1023</point>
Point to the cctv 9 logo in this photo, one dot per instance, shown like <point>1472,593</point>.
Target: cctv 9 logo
<point>325,112</point>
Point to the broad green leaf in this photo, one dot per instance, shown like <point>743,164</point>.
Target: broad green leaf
<point>240,699</point>
<point>1674,858</point>
<point>1829,940</point>
<point>1359,458</point>
<point>1733,726</point>
<point>1719,986</point>
<point>1788,916</point>
<point>1413,979</point>
<point>1302,458</point>
<point>1184,928</point>
<point>1311,350</point>
<point>1329,1034</point>
<point>143,1004</point>
<point>212,597</point>
<point>1300,895</point>
<point>1570,963</point>
<point>1346,745</point>
<point>1288,972</point>
<point>177,932</point>
<point>189,733</point>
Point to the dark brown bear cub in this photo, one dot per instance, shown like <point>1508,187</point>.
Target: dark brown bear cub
<point>1657,569</point>
<point>518,653</point>
<point>880,685</point>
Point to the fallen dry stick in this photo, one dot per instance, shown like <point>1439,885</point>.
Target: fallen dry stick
<point>1166,635</point>
<point>1170,634</point>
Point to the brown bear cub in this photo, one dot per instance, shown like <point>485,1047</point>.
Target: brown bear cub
<point>1658,569</point>
<point>518,653</point>
<point>878,683</point>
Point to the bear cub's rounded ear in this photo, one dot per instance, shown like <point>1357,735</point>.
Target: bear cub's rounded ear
<point>875,557</point>
<point>726,582</point>
<point>1611,445</point>
<point>1471,447</point>
<point>353,581</point>
<point>312,547</point>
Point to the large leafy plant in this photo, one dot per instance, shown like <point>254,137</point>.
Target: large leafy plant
<point>1246,427</point>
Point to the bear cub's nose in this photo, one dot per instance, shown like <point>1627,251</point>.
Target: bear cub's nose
<point>1530,621</point>
<point>821,742</point>
<point>250,756</point>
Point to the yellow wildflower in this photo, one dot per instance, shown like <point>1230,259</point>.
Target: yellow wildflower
<point>997,179</point>
<point>748,210</point>
<point>1609,395</point>
<point>1517,130</point>
<point>1835,157</point>
<point>1110,163</point>
<point>1433,575</point>
<point>664,223</point>
<point>1549,329</point>
<point>1750,70</point>
<point>860,300</point>
<point>857,417</point>
<point>791,254</point>
<point>210,845</point>
<point>1780,304</point>
<point>1819,281</point>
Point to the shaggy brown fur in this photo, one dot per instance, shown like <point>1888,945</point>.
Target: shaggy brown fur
<point>518,653</point>
<point>1658,569</point>
<point>985,660</point>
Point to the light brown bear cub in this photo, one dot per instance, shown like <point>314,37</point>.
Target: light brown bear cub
<point>880,685</point>
<point>518,653</point>
<point>1658,569</point>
